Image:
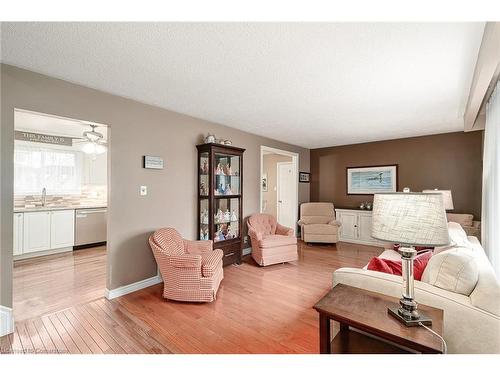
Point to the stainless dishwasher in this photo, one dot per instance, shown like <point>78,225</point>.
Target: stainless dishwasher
<point>90,226</point>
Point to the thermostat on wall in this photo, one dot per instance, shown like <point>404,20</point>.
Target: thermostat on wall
<point>152,162</point>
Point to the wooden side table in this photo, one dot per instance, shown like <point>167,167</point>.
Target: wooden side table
<point>367,327</point>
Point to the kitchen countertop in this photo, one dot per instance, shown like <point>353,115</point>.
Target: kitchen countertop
<point>57,208</point>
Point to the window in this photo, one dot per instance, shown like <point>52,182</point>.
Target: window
<point>38,167</point>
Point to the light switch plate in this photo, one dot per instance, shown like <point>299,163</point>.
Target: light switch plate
<point>143,190</point>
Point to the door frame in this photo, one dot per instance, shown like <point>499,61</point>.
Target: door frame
<point>295,166</point>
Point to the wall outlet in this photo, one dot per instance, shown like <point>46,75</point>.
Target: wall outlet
<point>245,239</point>
<point>143,190</point>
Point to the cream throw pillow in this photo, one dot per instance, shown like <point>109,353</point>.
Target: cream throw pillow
<point>454,270</point>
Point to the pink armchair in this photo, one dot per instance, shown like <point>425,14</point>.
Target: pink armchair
<point>191,270</point>
<point>271,242</point>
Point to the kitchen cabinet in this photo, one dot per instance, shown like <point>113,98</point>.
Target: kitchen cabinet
<point>43,232</point>
<point>62,228</point>
<point>356,226</point>
<point>18,233</point>
<point>36,231</point>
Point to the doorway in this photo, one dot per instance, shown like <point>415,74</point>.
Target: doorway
<point>279,185</point>
<point>60,212</point>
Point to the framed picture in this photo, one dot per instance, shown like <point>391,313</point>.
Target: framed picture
<point>304,177</point>
<point>371,180</point>
<point>264,182</point>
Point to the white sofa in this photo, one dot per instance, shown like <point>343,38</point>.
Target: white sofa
<point>471,323</point>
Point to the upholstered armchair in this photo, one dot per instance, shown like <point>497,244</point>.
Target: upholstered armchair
<point>471,227</point>
<point>271,242</point>
<point>317,223</point>
<point>191,270</point>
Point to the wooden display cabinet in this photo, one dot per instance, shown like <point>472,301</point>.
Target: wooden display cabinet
<point>220,198</point>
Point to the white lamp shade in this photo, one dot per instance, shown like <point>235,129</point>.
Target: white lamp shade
<point>410,219</point>
<point>447,197</point>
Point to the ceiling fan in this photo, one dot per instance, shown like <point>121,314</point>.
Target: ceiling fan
<point>93,141</point>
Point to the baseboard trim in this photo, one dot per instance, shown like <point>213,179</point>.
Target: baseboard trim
<point>43,253</point>
<point>126,289</point>
<point>6,320</point>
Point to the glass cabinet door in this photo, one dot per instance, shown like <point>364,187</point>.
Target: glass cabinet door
<point>204,220</point>
<point>204,174</point>
<point>226,219</point>
<point>227,174</point>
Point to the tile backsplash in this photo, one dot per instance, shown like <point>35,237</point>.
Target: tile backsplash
<point>91,195</point>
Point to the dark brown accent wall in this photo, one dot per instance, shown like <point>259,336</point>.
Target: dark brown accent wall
<point>445,161</point>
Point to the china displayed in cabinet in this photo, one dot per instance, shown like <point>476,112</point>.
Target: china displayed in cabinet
<point>220,197</point>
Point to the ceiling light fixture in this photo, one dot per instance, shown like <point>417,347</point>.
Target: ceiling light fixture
<point>94,141</point>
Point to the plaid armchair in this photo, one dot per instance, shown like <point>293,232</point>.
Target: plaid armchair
<point>191,270</point>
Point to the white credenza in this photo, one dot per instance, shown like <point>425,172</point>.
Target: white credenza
<point>43,232</point>
<point>356,226</point>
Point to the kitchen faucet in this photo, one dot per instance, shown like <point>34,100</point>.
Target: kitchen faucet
<point>44,196</point>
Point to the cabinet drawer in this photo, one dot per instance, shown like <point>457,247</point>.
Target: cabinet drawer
<point>232,252</point>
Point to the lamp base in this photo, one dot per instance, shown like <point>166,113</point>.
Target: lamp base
<point>409,321</point>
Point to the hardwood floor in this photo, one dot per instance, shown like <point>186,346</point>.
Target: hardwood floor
<point>54,282</point>
<point>258,310</point>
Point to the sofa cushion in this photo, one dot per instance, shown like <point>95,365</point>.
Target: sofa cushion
<point>321,229</point>
<point>454,270</point>
<point>275,240</point>
<point>462,219</point>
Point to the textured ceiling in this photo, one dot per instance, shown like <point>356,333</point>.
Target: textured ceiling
<point>309,84</point>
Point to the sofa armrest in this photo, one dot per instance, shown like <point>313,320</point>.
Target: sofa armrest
<point>185,261</point>
<point>198,247</point>
<point>284,231</point>
<point>336,223</point>
<point>210,261</point>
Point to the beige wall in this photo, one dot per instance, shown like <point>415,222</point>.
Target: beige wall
<point>270,166</point>
<point>445,161</point>
<point>136,129</point>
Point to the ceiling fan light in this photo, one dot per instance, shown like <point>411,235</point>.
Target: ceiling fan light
<point>100,149</point>
<point>89,148</point>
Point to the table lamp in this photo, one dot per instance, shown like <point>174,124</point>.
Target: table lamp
<point>410,219</point>
<point>447,197</point>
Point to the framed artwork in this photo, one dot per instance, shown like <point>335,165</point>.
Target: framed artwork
<point>371,180</point>
<point>304,177</point>
<point>264,182</point>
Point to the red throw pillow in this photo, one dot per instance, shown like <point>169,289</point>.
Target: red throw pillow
<point>394,267</point>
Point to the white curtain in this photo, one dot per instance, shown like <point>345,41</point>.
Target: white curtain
<point>490,234</point>
<point>38,166</point>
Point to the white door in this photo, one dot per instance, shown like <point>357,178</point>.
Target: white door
<point>62,229</point>
<point>365,227</point>
<point>286,197</point>
<point>348,230</point>
<point>18,234</point>
<point>36,236</point>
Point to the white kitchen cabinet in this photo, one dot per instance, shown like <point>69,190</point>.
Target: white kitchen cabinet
<point>36,231</point>
<point>18,233</point>
<point>62,228</point>
<point>356,227</point>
